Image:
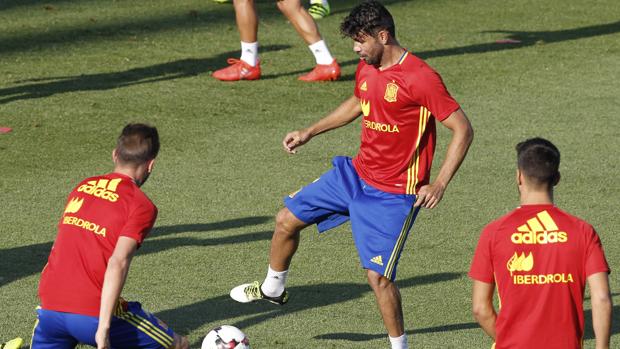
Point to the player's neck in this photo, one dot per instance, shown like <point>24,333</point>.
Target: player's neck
<point>391,56</point>
<point>534,197</point>
<point>127,171</point>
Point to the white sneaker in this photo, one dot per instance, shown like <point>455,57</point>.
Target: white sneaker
<point>247,293</point>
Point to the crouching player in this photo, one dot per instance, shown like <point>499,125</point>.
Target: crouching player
<point>105,221</point>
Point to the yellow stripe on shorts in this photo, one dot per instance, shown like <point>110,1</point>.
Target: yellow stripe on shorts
<point>148,328</point>
<point>400,242</point>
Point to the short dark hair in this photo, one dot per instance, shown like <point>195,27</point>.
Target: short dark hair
<point>137,144</point>
<point>539,160</point>
<point>368,18</point>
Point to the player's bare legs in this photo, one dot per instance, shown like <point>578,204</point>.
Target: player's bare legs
<point>300,19</point>
<point>247,20</point>
<point>389,302</point>
<point>247,67</point>
<point>284,243</point>
<point>285,240</point>
<point>180,342</point>
<point>327,68</point>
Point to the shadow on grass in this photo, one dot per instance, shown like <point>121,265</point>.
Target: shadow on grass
<point>189,317</point>
<point>205,17</point>
<point>362,337</point>
<point>39,88</point>
<point>159,245</point>
<point>23,261</point>
<point>199,227</point>
<point>527,38</point>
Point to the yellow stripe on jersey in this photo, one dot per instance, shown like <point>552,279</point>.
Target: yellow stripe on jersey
<point>148,328</point>
<point>400,242</point>
<point>414,164</point>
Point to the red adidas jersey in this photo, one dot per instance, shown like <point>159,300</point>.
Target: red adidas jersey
<point>539,256</point>
<point>99,210</point>
<point>400,105</point>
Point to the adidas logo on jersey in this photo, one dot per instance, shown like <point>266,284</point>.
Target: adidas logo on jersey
<point>377,260</point>
<point>103,188</point>
<point>539,230</point>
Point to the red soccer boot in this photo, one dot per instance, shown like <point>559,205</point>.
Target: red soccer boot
<point>238,70</point>
<point>323,72</point>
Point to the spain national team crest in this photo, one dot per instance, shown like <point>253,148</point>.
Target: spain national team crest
<point>391,92</point>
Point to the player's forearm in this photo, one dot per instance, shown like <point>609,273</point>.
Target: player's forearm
<point>601,319</point>
<point>486,319</point>
<point>114,280</point>
<point>462,137</point>
<point>348,111</point>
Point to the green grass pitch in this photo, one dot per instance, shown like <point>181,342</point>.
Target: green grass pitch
<point>72,73</point>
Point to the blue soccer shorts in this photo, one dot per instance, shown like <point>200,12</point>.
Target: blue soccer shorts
<point>131,327</point>
<point>380,221</point>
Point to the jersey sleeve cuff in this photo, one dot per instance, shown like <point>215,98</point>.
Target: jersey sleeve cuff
<point>477,277</point>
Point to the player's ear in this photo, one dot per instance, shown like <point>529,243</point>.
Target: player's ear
<point>556,179</point>
<point>519,177</point>
<point>383,37</point>
<point>149,165</point>
<point>114,155</point>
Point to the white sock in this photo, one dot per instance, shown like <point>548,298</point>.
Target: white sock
<point>399,342</point>
<point>249,52</point>
<point>321,53</point>
<point>323,2</point>
<point>273,286</point>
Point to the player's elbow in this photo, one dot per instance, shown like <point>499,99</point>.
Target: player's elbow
<point>118,263</point>
<point>467,133</point>
<point>482,311</point>
<point>601,301</point>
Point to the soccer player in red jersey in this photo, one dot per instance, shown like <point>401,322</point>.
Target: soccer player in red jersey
<point>247,67</point>
<point>380,190</point>
<point>540,258</point>
<point>105,221</point>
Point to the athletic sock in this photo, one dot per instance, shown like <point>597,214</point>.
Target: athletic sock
<point>273,286</point>
<point>321,53</point>
<point>249,52</point>
<point>399,342</point>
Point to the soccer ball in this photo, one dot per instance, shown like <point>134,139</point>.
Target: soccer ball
<point>226,337</point>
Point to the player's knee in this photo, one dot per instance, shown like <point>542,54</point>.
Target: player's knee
<point>288,6</point>
<point>287,223</point>
<point>377,281</point>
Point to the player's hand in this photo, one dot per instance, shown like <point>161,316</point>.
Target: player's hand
<point>102,337</point>
<point>429,195</point>
<point>294,139</point>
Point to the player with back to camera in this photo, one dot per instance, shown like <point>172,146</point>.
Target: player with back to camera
<point>105,221</point>
<point>383,187</point>
<point>540,258</point>
<point>248,66</point>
